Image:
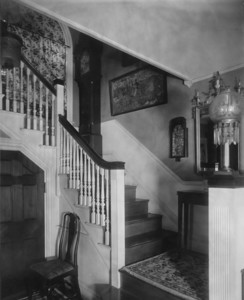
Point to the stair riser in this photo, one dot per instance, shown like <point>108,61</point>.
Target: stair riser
<point>136,209</point>
<point>72,194</point>
<point>142,227</point>
<point>143,251</point>
<point>130,193</point>
<point>95,233</point>
<point>84,213</point>
<point>143,290</point>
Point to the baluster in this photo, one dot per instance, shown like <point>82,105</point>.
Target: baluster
<point>74,163</point>
<point>28,120</point>
<point>14,91</point>
<point>77,167</point>
<point>1,88</point>
<point>107,198</point>
<point>85,179</point>
<point>18,90</point>
<point>81,177</point>
<point>61,147</point>
<point>64,158</point>
<point>7,89</point>
<point>89,182</point>
<point>34,103</point>
<point>47,118</point>
<point>21,87</point>
<point>93,214</point>
<point>67,154</point>
<point>52,120</point>
<point>98,196</point>
<point>102,219</point>
<point>70,162</point>
<point>40,106</point>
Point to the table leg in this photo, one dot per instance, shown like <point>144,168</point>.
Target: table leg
<point>186,214</point>
<point>180,204</point>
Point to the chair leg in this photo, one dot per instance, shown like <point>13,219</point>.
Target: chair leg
<point>77,288</point>
<point>50,294</point>
<point>29,287</point>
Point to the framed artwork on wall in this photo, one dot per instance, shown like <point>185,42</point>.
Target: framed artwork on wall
<point>138,89</point>
<point>178,138</point>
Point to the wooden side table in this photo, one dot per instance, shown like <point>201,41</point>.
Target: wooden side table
<point>185,199</point>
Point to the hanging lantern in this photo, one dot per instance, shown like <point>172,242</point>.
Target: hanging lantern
<point>10,48</point>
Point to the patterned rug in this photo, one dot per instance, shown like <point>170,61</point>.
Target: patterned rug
<point>185,276</point>
<point>56,295</point>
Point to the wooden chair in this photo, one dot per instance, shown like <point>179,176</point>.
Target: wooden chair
<point>59,273</point>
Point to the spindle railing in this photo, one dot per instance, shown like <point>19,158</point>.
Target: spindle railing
<point>100,183</point>
<point>88,173</point>
<point>23,91</point>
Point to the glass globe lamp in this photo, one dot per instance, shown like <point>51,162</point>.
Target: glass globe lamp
<point>225,111</point>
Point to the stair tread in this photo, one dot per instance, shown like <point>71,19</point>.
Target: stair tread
<point>144,218</point>
<point>143,238</point>
<point>135,201</point>
<point>130,186</point>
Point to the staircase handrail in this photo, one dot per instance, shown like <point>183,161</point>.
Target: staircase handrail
<point>39,76</point>
<point>115,165</point>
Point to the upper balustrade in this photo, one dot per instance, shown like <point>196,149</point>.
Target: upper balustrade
<point>23,91</point>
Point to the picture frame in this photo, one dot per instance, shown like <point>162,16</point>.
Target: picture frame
<point>138,89</point>
<point>178,138</point>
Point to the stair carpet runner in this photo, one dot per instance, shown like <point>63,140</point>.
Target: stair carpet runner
<point>143,230</point>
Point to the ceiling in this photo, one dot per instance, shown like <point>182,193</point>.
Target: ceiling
<point>187,38</point>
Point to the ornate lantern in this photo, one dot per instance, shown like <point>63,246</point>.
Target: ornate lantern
<point>225,111</point>
<point>10,48</point>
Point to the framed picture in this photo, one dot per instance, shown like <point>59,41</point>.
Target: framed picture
<point>138,89</point>
<point>178,138</point>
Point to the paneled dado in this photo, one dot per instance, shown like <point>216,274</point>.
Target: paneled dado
<point>21,218</point>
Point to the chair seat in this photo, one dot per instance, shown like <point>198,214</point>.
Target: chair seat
<point>52,269</point>
<point>53,273</point>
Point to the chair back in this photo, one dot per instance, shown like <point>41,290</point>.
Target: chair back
<point>69,238</point>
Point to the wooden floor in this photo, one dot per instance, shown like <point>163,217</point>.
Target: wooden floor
<point>133,288</point>
<point>144,293</point>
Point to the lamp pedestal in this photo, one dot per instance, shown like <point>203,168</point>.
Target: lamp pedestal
<point>225,157</point>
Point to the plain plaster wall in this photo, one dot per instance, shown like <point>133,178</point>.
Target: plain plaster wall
<point>190,39</point>
<point>151,125</point>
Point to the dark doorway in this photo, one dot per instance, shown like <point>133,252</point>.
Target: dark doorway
<point>21,220</point>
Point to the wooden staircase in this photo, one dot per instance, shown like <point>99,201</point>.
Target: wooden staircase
<point>143,230</point>
<point>144,238</point>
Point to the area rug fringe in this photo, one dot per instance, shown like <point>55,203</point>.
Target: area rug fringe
<point>164,288</point>
<point>167,269</point>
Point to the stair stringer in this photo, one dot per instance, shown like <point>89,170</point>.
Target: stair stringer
<point>154,180</point>
<point>94,258</point>
<point>28,142</point>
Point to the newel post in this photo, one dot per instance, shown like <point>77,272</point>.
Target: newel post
<point>59,107</point>
<point>117,225</point>
<point>58,110</point>
<point>1,92</point>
